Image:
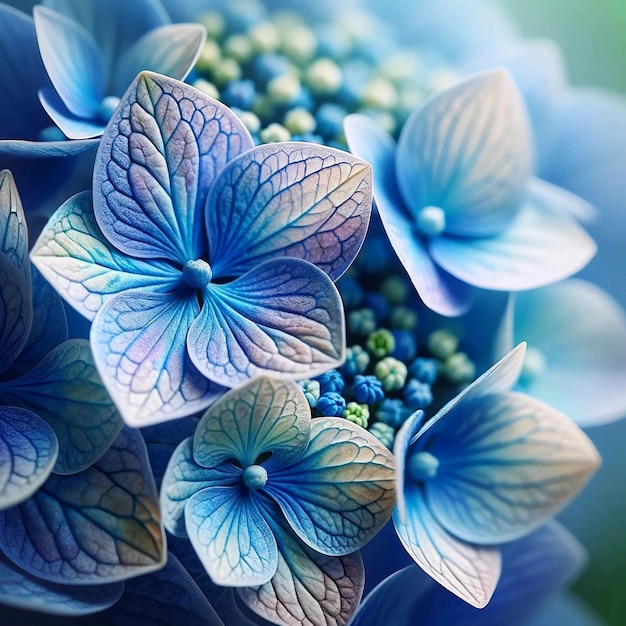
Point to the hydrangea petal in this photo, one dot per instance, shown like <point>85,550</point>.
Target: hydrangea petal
<point>231,537</point>
<point>100,525</point>
<point>283,318</point>
<point>28,452</point>
<point>183,478</point>
<point>13,230</point>
<point>138,340</point>
<point>72,59</point>
<point>25,149</point>
<point>308,588</point>
<point>440,291</point>
<point>84,267</point>
<point>561,200</point>
<point>23,591</point>
<point>540,247</point>
<point>470,572</point>
<point>160,154</point>
<point>73,126</point>
<point>171,49</point>
<point>289,199</point>
<point>340,492</point>
<point>264,416</point>
<point>507,463</point>
<point>467,150</point>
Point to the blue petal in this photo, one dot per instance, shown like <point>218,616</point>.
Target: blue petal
<point>284,318</point>
<point>66,391</point>
<point>440,291</point>
<point>264,416</point>
<point>28,452</point>
<point>164,598</point>
<point>231,537</point>
<point>308,587</point>
<point>13,229</point>
<point>171,50</point>
<point>558,199</point>
<point>300,200</point>
<point>100,525</point>
<point>73,61</point>
<point>507,463</point>
<point>160,154</point>
<point>540,247</point>
<point>581,332</point>
<point>21,590</point>
<point>138,340</point>
<point>84,267</point>
<point>22,149</point>
<point>73,126</point>
<point>340,492</point>
<point>183,478</point>
<point>467,150</point>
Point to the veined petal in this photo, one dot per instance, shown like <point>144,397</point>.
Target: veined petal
<point>26,149</point>
<point>471,572</point>
<point>264,416</point>
<point>340,492</point>
<point>100,525</point>
<point>138,341</point>
<point>308,587</point>
<point>183,478</point>
<point>468,151</point>
<point>440,291</point>
<point>540,247</point>
<point>73,126</point>
<point>283,318</point>
<point>161,152</point>
<point>231,537</point>
<point>72,59</point>
<point>13,229</point>
<point>28,452</point>
<point>289,199</point>
<point>507,463</point>
<point>171,50</point>
<point>66,391</point>
<point>23,591</point>
<point>75,257</point>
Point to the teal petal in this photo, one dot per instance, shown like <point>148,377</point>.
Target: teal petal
<point>266,416</point>
<point>23,591</point>
<point>162,150</point>
<point>284,318</point>
<point>340,492</point>
<point>66,391</point>
<point>75,257</point>
<point>231,537</point>
<point>308,587</point>
<point>100,525</point>
<point>13,229</point>
<point>468,150</point>
<point>28,452</point>
<point>138,340</point>
<point>289,199</point>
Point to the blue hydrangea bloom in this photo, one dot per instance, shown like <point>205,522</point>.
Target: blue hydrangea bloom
<point>269,496</point>
<point>488,468</point>
<point>458,200</point>
<point>203,257</point>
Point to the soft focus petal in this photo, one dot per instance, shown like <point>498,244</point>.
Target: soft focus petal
<point>439,290</point>
<point>160,154</point>
<point>138,340</point>
<point>289,199</point>
<point>28,452</point>
<point>84,267</point>
<point>560,200</point>
<point>566,609</point>
<point>100,525</point>
<point>13,229</point>
<point>339,494</point>
<point>73,126</point>
<point>467,150</point>
<point>231,537</point>
<point>284,318</point>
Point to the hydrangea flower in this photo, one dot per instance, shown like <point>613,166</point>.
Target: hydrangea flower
<point>203,257</point>
<point>488,468</point>
<point>458,200</point>
<point>271,499</point>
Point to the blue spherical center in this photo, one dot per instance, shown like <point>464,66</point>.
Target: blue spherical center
<point>107,107</point>
<point>431,221</point>
<point>197,274</point>
<point>255,477</point>
<point>422,466</point>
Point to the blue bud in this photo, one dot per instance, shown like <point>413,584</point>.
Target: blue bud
<point>417,395</point>
<point>331,404</point>
<point>406,345</point>
<point>424,370</point>
<point>357,360</point>
<point>331,381</point>
<point>393,412</point>
<point>329,119</point>
<point>270,65</point>
<point>240,94</point>
<point>368,389</point>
